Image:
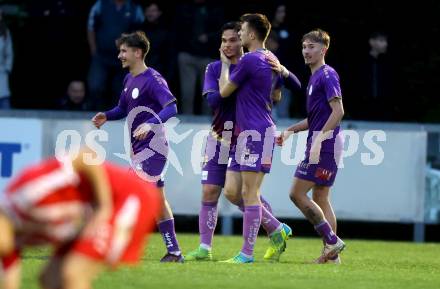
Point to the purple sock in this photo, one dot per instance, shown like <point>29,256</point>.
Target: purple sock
<point>166,228</point>
<point>266,204</point>
<point>207,222</point>
<point>326,232</point>
<point>268,221</point>
<point>251,225</point>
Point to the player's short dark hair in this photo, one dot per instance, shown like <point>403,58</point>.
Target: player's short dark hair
<point>232,25</point>
<point>259,23</point>
<point>319,36</point>
<point>136,39</point>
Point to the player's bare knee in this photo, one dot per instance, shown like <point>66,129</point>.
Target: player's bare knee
<point>211,193</point>
<point>232,193</point>
<point>320,199</point>
<point>232,196</point>
<point>292,198</point>
<point>250,197</point>
<point>295,198</point>
<point>320,195</point>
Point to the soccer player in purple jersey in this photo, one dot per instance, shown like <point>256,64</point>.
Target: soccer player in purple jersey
<point>256,85</point>
<point>147,96</point>
<point>218,146</point>
<point>318,170</point>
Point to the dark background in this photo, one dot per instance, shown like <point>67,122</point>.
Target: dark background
<point>51,48</point>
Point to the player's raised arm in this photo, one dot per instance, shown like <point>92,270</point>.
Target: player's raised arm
<point>211,88</point>
<point>225,85</point>
<point>289,79</point>
<point>99,183</point>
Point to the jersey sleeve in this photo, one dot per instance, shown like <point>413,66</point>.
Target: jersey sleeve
<point>210,83</point>
<point>161,92</point>
<point>331,85</point>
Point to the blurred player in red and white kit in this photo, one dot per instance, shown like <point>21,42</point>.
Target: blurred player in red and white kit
<point>95,216</point>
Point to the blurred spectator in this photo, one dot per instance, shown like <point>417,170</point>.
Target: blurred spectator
<point>75,98</point>
<point>283,36</point>
<point>281,108</point>
<point>161,41</point>
<point>197,27</point>
<point>108,19</point>
<point>6,59</point>
<point>60,23</point>
<point>280,42</point>
<point>375,82</point>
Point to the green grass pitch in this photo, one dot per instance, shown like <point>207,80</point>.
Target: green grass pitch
<point>365,264</point>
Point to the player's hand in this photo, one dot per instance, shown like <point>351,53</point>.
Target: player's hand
<point>277,66</point>
<point>99,119</point>
<point>279,140</point>
<point>314,155</point>
<point>315,149</point>
<point>141,132</point>
<point>224,59</point>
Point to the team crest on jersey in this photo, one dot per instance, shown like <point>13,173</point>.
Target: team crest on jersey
<point>135,93</point>
<point>310,89</point>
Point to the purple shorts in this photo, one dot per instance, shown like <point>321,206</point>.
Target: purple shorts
<point>323,173</point>
<point>252,156</point>
<point>215,163</point>
<point>151,170</point>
